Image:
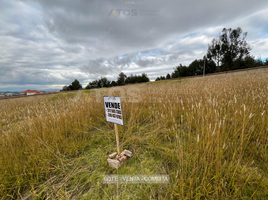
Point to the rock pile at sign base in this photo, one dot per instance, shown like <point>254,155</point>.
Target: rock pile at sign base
<point>127,153</point>
<point>116,163</point>
<point>113,155</point>
<point>121,157</point>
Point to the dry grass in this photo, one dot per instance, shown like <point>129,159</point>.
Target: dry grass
<point>208,134</point>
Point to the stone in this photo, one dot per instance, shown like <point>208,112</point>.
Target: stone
<point>127,153</point>
<point>113,163</point>
<point>121,157</point>
<point>112,155</point>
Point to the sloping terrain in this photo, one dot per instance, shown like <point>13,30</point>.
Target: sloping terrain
<point>208,134</point>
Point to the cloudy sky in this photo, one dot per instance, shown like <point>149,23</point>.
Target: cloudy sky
<point>46,44</point>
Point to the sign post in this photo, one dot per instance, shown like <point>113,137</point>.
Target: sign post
<point>117,139</point>
<point>113,113</point>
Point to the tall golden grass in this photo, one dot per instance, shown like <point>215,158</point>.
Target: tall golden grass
<point>209,134</point>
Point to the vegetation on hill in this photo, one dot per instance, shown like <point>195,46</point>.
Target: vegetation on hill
<point>208,134</point>
<point>228,52</point>
<point>74,86</point>
<point>104,82</point>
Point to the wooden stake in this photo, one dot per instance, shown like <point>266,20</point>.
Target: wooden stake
<point>117,139</point>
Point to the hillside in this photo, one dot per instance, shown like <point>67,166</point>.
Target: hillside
<point>208,134</point>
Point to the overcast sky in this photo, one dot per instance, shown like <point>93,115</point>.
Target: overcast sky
<point>48,43</point>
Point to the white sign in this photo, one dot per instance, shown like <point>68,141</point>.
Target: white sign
<point>113,110</point>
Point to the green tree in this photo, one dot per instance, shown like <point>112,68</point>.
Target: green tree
<point>75,85</point>
<point>137,79</point>
<point>65,88</point>
<point>215,51</point>
<point>113,83</point>
<point>104,82</point>
<point>247,62</point>
<point>230,47</point>
<point>168,76</point>
<point>144,78</point>
<point>121,79</point>
<point>88,87</point>
<point>181,71</point>
<point>234,47</point>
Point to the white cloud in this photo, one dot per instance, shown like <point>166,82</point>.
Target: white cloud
<point>50,43</point>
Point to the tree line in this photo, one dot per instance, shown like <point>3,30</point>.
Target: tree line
<point>122,79</point>
<point>229,51</point>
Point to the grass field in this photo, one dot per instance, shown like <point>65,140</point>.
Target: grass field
<point>208,134</point>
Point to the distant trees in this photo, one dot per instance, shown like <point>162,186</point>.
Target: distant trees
<point>102,82</point>
<point>160,78</point>
<point>183,70</point>
<point>74,86</point>
<point>137,79</point>
<point>122,79</point>
<point>98,83</point>
<point>230,49</point>
<point>214,51</point>
<point>65,88</point>
<point>227,52</point>
<point>113,84</point>
<point>197,67</point>
<point>168,76</point>
<point>93,84</point>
